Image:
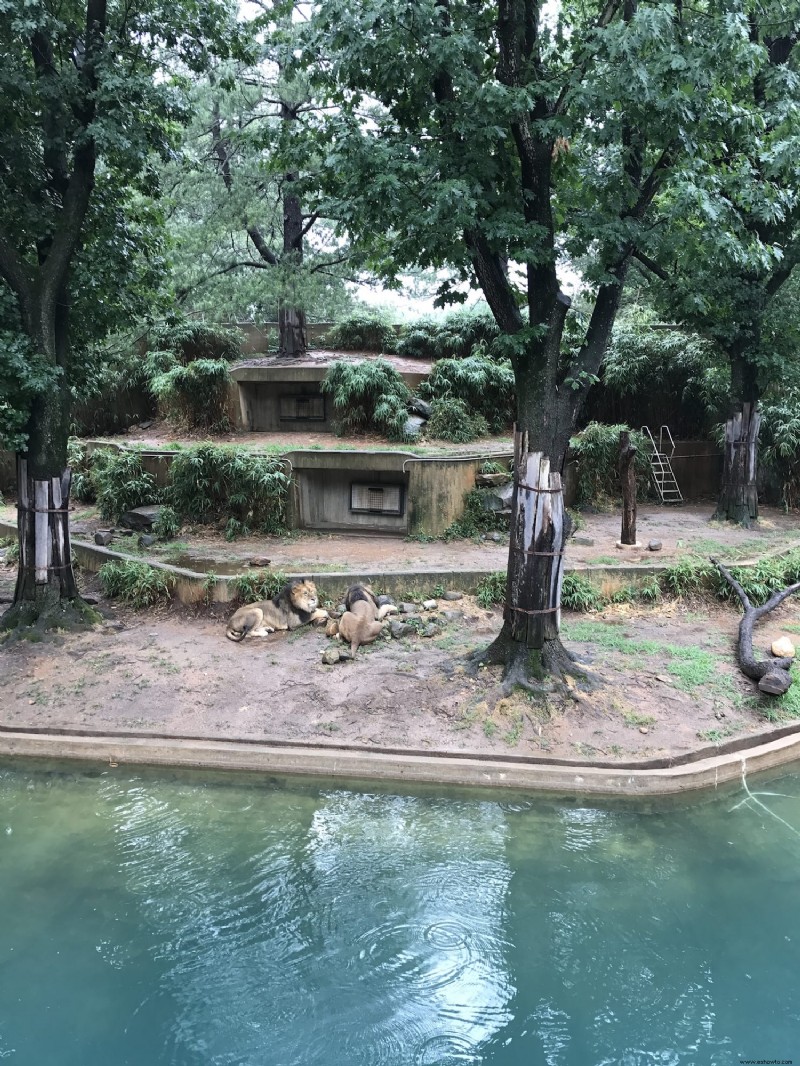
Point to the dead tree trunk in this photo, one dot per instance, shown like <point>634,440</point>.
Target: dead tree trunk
<point>738,498</point>
<point>627,477</point>
<point>529,645</point>
<point>45,559</point>
<point>772,674</point>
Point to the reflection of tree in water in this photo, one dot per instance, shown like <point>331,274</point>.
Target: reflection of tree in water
<point>367,929</point>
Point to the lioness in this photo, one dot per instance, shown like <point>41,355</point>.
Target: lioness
<point>295,605</point>
<point>363,620</point>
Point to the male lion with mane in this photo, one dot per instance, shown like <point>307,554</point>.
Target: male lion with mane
<point>296,604</point>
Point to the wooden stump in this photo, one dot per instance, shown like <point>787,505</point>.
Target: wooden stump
<point>536,553</point>
<point>627,477</point>
<point>738,499</point>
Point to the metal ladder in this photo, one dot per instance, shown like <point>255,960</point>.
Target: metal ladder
<point>663,474</point>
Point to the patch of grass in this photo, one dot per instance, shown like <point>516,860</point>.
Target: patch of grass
<point>785,707</point>
<point>717,735</point>
<point>489,728</point>
<point>613,637</point>
<point>491,590</point>
<point>634,719</point>
<point>136,583</point>
<point>578,594</point>
<point>258,585</point>
<point>692,667</point>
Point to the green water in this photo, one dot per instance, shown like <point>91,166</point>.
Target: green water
<point>165,920</point>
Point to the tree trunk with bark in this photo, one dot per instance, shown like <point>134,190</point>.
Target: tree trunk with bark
<point>738,499</point>
<point>529,645</point>
<point>291,318</point>
<point>627,477</point>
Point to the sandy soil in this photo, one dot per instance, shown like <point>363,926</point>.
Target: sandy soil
<point>667,684</point>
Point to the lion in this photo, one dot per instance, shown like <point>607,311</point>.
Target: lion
<point>362,622</point>
<point>295,605</point>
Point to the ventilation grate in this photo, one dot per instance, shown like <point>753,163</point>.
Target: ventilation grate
<point>376,499</point>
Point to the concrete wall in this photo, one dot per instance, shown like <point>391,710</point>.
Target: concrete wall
<point>698,468</point>
<point>260,407</point>
<point>436,492</point>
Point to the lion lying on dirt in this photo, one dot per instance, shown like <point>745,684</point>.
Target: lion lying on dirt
<point>363,620</point>
<point>295,605</point>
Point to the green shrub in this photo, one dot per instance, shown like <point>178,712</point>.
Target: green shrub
<point>83,486</point>
<point>136,583</point>
<point>484,385</point>
<point>451,420</point>
<point>258,585</point>
<point>475,519</point>
<point>195,396</point>
<point>187,341</point>
<point>454,337</point>
<point>368,397</point>
<point>11,557</point>
<point>211,483</point>
<point>491,589</point>
<point>780,444</point>
<point>167,524</point>
<point>122,483</point>
<point>596,449</point>
<point>364,330</point>
<point>579,594</point>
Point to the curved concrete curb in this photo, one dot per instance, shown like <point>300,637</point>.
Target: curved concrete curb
<point>430,769</point>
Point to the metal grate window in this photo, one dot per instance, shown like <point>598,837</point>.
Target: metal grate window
<point>376,499</point>
<point>302,408</point>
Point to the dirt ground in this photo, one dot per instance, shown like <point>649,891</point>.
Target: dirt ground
<point>667,684</point>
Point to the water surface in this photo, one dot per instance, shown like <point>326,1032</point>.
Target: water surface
<point>195,920</point>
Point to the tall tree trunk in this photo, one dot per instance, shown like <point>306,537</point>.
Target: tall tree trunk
<point>46,591</point>
<point>738,498</point>
<point>627,477</point>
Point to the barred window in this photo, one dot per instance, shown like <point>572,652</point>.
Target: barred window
<point>376,499</point>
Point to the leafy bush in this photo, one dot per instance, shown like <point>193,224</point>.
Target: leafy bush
<point>135,583</point>
<point>258,585</point>
<point>597,450</point>
<point>780,440</point>
<point>364,330</point>
<point>210,483</point>
<point>195,395</point>
<point>122,483</point>
<point>167,524</point>
<point>486,387</point>
<point>491,589</point>
<point>451,420</point>
<point>475,519</point>
<point>187,369</point>
<point>368,396</point>
<point>83,486</point>
<point>23,376</point>
<point>579,594</point>
<point>454,337</point>
<point>11,557</point>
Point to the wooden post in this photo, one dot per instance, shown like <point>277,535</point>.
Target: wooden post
<point>627,477</point>
<point>536,556</point>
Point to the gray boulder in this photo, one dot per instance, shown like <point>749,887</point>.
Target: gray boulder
<point>141,519</point>
<point>421,408</point>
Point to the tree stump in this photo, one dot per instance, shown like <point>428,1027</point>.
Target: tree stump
<point>627,477</point>
<point>772,674</point>
<point>738,498</point>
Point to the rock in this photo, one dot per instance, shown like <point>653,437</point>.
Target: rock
<point>385,601</point>
<point>497,499</point>
<point>399,630</point>
<point>141,519</point>
<point>775,683</point>
<point>91,600</point>
<point>431,631</point>
<point>341,608</point>
<point>430,605</point>
<point>413,425</point>
<point>643,729</point>
<point>103,537</point>
<point>583,542</point>
<point>345,653</point>
<point>492,479</point>
<point>783,648</point>
<point>421,408</point>
<point>654,545</point>
<point>146,425</point>
<point>407,608</point>
<point>146,540</point>
<point>331,656</point>
<point>496,538</point>
<point>258,560</point>
<point>453,616</point>
<point>453,596</point>
<point>123,532</point>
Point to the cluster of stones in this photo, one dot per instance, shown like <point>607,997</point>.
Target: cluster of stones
<point>140,520</point>
<point>424,620</point>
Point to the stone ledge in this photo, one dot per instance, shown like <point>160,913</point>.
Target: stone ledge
<point>430,768</point>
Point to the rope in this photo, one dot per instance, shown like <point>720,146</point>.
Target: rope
<point>33,569</point>
<point>524,551</point>
<point>43,510</point>
<point>535,488</point>
<point>524,610</point>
